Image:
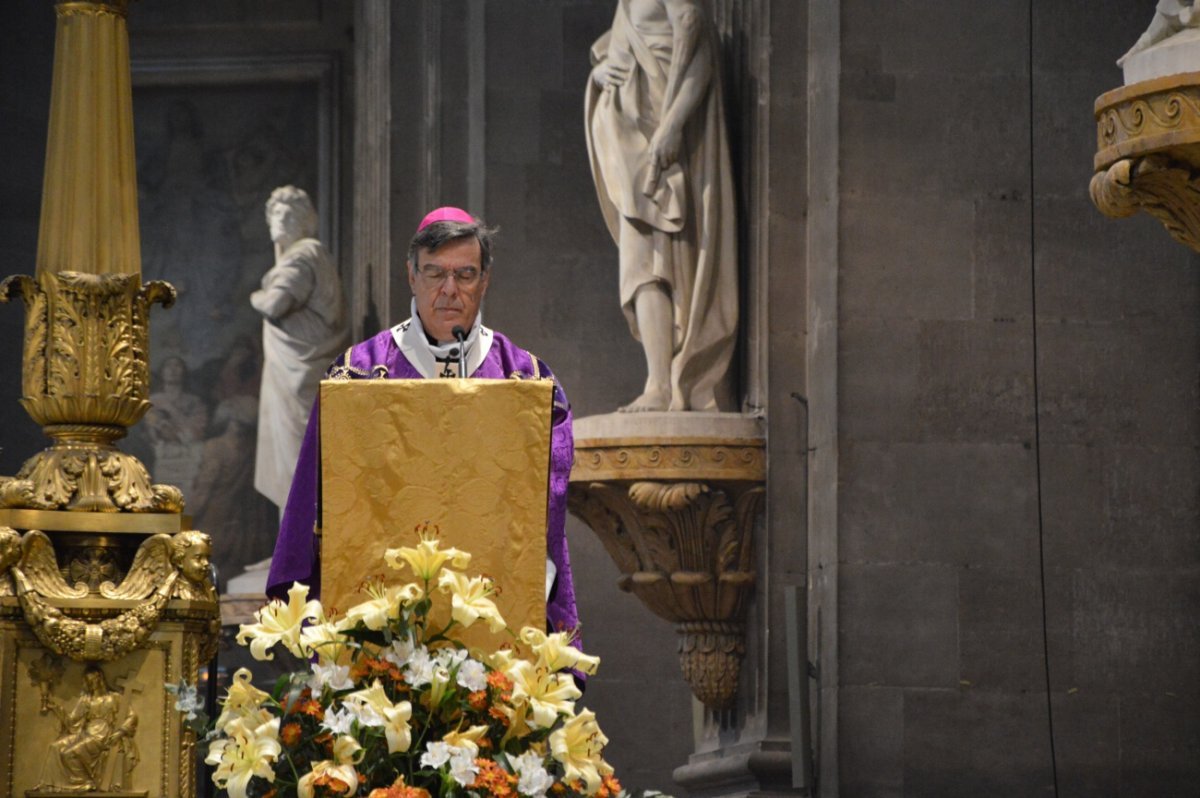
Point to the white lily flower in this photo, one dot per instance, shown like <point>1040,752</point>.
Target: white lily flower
<point>535,780</point>
<point>339,721</point>
<point>333,676</point>
<point>280,623</point>
<point>472,675</point>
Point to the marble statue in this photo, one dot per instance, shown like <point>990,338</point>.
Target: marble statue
<point>660,161</point>
<point>304,328</point>
<point>1170,17</point>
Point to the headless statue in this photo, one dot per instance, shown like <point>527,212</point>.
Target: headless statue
<point>660,161</point>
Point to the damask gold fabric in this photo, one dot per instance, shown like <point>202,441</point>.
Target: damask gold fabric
<point>469,456</point>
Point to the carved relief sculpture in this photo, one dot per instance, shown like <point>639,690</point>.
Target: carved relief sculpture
<point>95,749</point>
<point>304,329</point>
<point>656,135</point>
<point>166,567</point>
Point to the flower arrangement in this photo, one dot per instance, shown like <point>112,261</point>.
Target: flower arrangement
<point>393,705</point>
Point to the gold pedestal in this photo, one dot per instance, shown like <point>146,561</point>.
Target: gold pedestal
<point>676,512</point>
<point>105,594</point>
<point>1148,153</point>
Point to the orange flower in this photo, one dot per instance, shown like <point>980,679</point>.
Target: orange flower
<point>609,786</point>
<point>290,734</point>
<point>478,700</point>
<point>499,681</point>
<point>499,715</point>
<point>369,667</point>
<point>311,708</point>
<point>495,779</point>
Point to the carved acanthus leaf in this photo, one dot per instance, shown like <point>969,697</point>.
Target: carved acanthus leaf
<point>1167,190</point>
<point>665,495</point>
<point>685,549</point>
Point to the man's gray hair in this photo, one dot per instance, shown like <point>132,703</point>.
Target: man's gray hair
<point>439,233</point>
<point>297,199</point>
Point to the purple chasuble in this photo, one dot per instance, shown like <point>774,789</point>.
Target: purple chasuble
<point>296,548</point>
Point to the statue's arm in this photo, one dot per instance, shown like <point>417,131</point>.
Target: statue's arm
<point>688,77</point>
<point>287,287</point>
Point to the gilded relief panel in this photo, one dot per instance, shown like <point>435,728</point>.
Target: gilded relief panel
<point>103,729</point>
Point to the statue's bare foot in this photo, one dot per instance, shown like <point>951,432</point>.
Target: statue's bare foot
<point>650,401</point>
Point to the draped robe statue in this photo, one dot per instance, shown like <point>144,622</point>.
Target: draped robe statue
<point>660,161</point>
<point>304,327</point>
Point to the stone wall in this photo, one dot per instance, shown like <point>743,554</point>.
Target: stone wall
<point>1018,386</point>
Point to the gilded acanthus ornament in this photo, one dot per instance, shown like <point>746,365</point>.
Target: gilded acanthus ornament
<point>85,380</point>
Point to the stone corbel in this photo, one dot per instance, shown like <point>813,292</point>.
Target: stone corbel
<point>1167,190</point>
<point>1148,153</point>
<point>677,516</point>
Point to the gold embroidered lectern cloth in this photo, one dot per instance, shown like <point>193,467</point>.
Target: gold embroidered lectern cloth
<point>469,456</point>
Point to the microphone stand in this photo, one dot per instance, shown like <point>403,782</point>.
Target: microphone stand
<point>460,335</point>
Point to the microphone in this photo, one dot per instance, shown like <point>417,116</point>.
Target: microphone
<point>460,335</point>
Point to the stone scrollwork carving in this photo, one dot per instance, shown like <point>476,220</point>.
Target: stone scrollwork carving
<point>165,567</point>
<point>85,380</point>
<point>685,550</point>
<point>1146,160</point>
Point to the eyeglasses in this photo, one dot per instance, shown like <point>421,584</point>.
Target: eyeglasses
<point>465,276</point>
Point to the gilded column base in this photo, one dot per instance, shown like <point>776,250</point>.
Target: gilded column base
<point>1148,154</point>
<point>95,478</point>
<point>676,513</point>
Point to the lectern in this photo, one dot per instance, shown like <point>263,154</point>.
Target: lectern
<point>470,457</point>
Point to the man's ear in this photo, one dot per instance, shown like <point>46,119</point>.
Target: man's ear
<point>408,268</point>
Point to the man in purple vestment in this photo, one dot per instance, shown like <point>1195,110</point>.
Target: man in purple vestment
<point>448,270</point>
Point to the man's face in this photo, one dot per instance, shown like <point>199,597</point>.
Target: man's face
<point>443,304</point>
